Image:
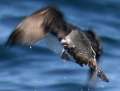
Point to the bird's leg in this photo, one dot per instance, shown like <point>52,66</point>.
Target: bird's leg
<point>92,81</point>
<point>97,71</point>
<point>65,55</point>
<point>92,73</point>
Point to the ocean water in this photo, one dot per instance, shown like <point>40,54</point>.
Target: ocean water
<point>40,69</point>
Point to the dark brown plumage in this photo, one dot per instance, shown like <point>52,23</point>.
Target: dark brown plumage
<point>86,49</point>
<point>36,26</point>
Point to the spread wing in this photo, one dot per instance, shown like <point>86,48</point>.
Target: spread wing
<point>33,28</point>
<point>38,26</point>
<point>27,32</point>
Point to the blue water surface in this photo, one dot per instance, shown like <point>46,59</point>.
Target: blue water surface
<point>40,69</point>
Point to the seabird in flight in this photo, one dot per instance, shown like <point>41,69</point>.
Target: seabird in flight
<point>83,46</point>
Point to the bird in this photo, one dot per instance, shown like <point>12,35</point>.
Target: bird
<point>83,46</point>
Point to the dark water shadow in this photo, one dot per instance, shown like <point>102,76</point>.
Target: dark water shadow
<point>66,72</point>
<point>70,87</point>
<point>11,51</point>
<point>22,55</point>
<point>109,40</point>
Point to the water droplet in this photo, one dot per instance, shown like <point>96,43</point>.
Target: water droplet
<point>30,47</point>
